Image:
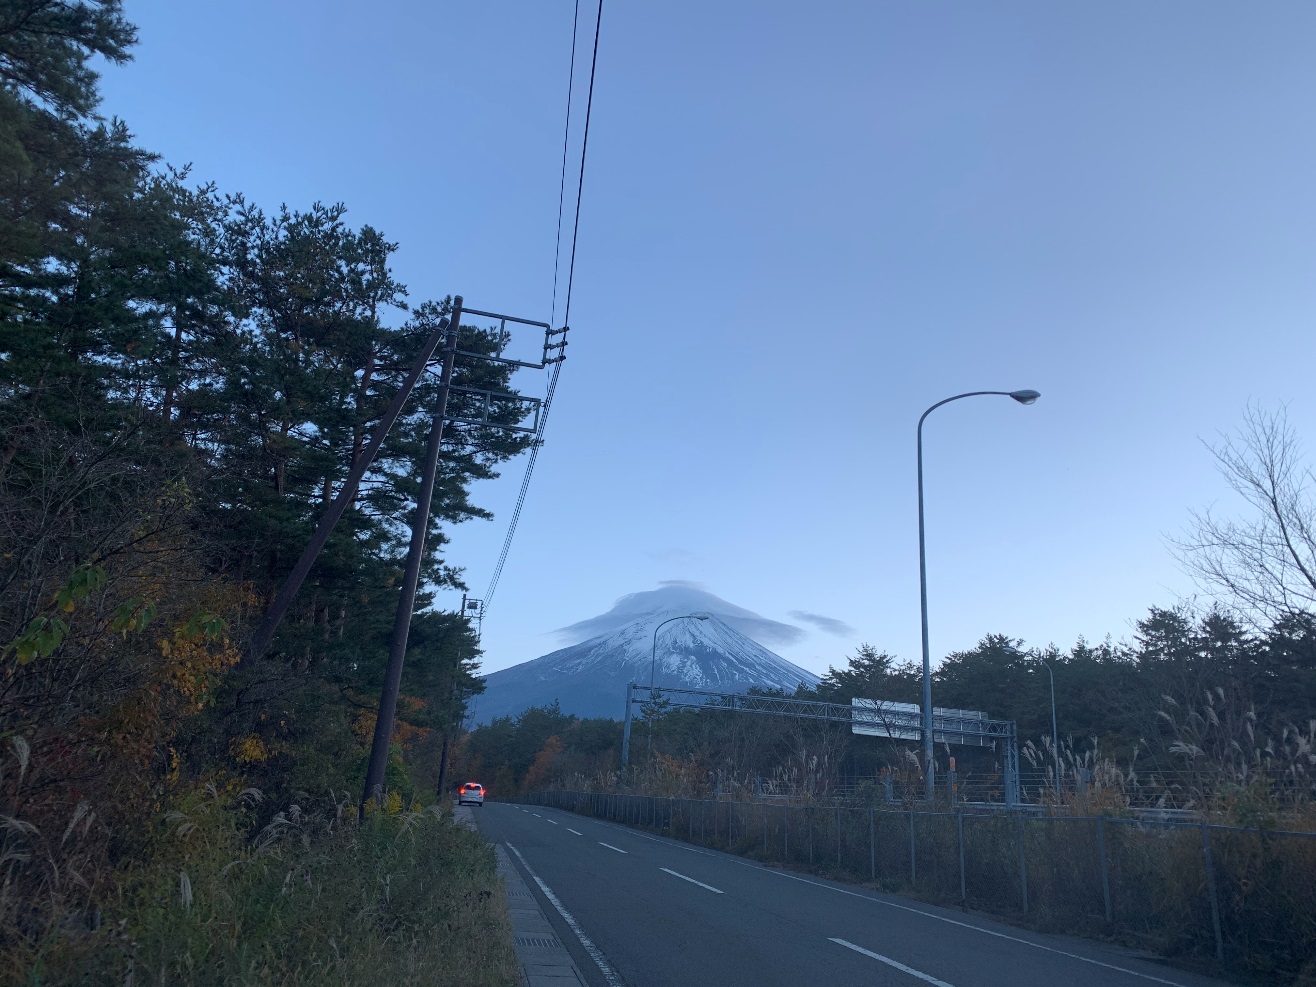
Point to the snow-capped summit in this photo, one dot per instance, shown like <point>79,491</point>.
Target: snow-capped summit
<point>590,678</point>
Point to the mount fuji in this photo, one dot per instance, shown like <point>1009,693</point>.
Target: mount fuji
<point>589,679</point>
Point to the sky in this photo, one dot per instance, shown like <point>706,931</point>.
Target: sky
<point>801,226</point>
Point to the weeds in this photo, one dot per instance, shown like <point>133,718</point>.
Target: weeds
<point>313,898</point>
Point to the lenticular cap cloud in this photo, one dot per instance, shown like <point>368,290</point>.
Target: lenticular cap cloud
<point>681,594</point>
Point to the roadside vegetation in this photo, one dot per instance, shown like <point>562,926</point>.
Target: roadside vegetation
<point>314,898</point>
<point>185,379</point>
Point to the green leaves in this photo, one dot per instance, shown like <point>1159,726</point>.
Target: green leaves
<point>132,616</point>
<point>86,579</point>
<point>40,640</point>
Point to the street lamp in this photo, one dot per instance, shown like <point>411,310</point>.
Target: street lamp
<point>1023,397</point>
<point>653,657</point>
<point>1055,740</point>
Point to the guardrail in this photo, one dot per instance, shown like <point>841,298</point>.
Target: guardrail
<point>1245,896</point>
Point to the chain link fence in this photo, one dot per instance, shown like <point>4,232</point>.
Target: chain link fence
<point>1245,897</point>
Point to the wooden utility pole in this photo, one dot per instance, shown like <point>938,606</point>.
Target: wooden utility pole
<point>397,653</point>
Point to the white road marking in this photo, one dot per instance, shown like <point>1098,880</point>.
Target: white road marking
<point>611,847</point>
<point>676,842</point>
<point>890,962</point>
<point>691,880</point>
<point>975,928</point>
<point>595,954</point>
<point>667,841</point>
<point>550,821</point>
<point>570,830</point>
<point>537,815</point>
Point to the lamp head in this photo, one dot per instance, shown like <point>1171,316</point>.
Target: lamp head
<point>1025,397</point>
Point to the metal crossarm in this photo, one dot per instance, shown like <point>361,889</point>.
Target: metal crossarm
<point>554,349</point>
<point>488,403</point>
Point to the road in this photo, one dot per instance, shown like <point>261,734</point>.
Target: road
<point>647,911</point>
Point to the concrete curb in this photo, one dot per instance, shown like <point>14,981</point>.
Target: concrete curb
<point>544,961</point>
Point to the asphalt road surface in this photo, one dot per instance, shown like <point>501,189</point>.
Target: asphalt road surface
<point>646,911</point>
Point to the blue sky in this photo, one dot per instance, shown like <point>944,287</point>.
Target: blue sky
<point>802,225</point>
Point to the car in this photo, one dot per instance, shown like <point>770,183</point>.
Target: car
<point>471,793</point>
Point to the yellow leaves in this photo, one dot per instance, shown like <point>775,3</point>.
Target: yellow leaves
<point>250,750</point>
<point>198,654</point>
<point>392,804</point>
<point>363,726</point>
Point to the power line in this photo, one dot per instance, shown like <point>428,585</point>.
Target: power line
<point>562,182</point>
<point>571,276</point>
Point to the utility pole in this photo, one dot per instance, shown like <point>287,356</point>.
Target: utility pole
<point>388,699</point>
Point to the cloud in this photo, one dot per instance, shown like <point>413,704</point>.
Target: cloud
<point>682,596</point>
<point>829,625</point>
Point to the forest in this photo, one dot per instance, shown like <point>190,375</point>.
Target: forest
<point>186,377</point>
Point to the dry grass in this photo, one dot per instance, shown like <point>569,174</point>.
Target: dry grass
<point>315,898</point>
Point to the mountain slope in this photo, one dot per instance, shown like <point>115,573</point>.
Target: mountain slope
<point>590,678</point>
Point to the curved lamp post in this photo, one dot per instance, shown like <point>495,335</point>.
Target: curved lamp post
<point>1023,397</point>
<point>653,659</point>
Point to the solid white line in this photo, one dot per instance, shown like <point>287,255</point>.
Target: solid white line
<point>890,962</point>
<point>570,830</point>
<point>611,847</point>
<point>597,956</point>
<point>691,880</point>
<point>975,928</point>
<point>550,821</point>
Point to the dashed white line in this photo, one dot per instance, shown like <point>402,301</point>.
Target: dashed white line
<point>966,925</point>
<point>550,821</point>
<point>668,841</point>
<point>890,962</point>
<point>691,880</point>
<point>595,954</point>
<point>537,815</point>
<point>611,847</point>
<point>577,832</point>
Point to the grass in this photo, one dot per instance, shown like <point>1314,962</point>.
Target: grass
<point>405,898</point>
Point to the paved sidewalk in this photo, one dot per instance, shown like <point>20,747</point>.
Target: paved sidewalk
<point>545,962</point>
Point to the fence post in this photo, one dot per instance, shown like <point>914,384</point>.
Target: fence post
<point>1023,864</point>
<point>913,868</point>
<point>838,836</point>
<point>964,897</point>
<point>765,829</point>
<point>731,815</point>
<point>1105,872</point>
<point>1210,886</point>
<point>785,833</point>
<point>872,847</point>
<point>808,821</point>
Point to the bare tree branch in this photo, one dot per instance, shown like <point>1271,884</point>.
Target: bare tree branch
<point>1265,563</point>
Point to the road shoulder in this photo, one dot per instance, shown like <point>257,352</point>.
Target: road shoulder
<point>544,961</point>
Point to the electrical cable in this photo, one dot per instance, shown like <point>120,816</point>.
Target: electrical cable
<point>566,316</point>
<point>562,182</point>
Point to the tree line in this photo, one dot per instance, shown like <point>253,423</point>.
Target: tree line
<point>186,377</point>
